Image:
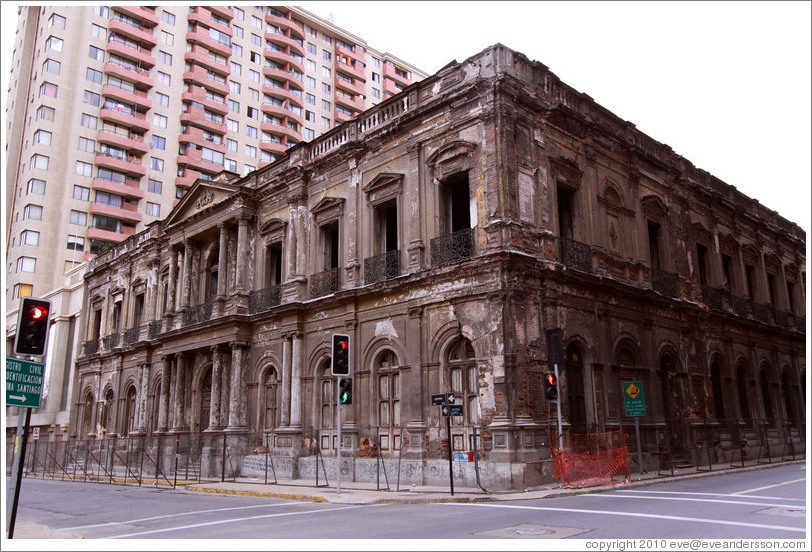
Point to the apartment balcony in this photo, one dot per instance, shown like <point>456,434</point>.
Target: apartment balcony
<point>138,54</point>
<point>203,15</point>
<point>286,25</point>
<point>194,159</point>
<point>127,212</point>
<point>130,72</point>
<point>293,46</point>
<point>109,235</point>
<point>280,111</point>
<point>276,148</point>
<point>194,135</point>
<point>195,116</point>
<point>133,144</point>
<point>382,267</point>
<point>198,36</point>
<point>200,56</point>
<point>282,75</point>
<point>131,166</point>
<point>199,95</point>
<point>131,187</point>
<point>284,94</point>
<point>281,130</point>
<point>452,248</point>
<point>147,15</point>
<point>138,121</point>
<point>390,89</point>
<point>575,255</point>
<point>356,71</point>
<point>223,11</point>
<point>141,34</point>
<point>342,117</point>
<point>281,57</point>
<point>389,72</point>
<point>356,103</point>
<point>324,283</point>
<point>353,86</point>
<point>198,75</point>
<point>187,179</point>
<point>138,98</point>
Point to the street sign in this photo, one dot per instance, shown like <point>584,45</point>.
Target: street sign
<point>449,398</point>
<point>438,400</point>
<point>23,382</point>
<point>633,400</point>
<point>35,433</point>
<point>452,410</point>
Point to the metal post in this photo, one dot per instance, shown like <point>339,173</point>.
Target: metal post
<point>338,446</point>
<point>450,453</point>
<point>20,441</point>
<point>639,446</point>
<point>222,461</point>
<point>558,408</point>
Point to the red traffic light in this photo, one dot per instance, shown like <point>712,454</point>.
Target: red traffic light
<point>39,312</point>
<point>550,379</point>
<point>343,344</point>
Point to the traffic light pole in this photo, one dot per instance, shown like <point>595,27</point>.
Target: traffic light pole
<point>558,407</point>
<point>20,443</point>
<point>338,424</point>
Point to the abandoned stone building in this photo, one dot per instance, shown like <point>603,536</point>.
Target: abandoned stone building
<point>445,231</point>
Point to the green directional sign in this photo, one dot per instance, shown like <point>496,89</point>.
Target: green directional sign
<point>24,382</point>
<point>633,400</point>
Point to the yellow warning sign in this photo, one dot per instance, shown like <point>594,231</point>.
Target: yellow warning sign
<point>633,390</point>
<point>633,400</point>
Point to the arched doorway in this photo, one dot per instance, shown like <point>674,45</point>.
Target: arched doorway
<point>87,414</point>
<point>462,379</point>
<point>764,383</point>
<point>716,389</point>
<point>205,401</point>
<point>673,401</point>
<point>130,411</point>
<point>576,399</point>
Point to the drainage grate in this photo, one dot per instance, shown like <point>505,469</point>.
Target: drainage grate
<point>530,531</point>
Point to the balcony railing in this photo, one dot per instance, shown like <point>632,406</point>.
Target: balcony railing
<point>155,328</point>
<point>382,267</point>
<point>712,297</point>
<point>91,346</point>
<point>664,282</point>
<point>196,314</point>
<point>453,247</point>
<point>324,283</point>
<point>131,335</point>
<point>111,341</point>
<point>575,255</point>
<point>263,299</point>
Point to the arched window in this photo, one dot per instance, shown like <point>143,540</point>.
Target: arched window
<point>107,411</point>
<point>270,396</point>
<point>464,380</point>
<point>212,265</point>
<point>741,384</point>
<point>764,383</point>
<point>87,414</point>
<point>156,405</point>
<point>786,390</point>
<point>205,401</point>
<point>716,386</point>
<point>388,390</point>
<point>130,411</point>
<point>575,388</point>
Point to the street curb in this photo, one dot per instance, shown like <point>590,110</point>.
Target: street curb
<point>261,494</point>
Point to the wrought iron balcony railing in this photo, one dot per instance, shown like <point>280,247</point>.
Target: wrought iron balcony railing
<point>263,299</point>
<point>324,283</point>
<point>196,314</point>
<point>664,282</point>
<point>382,267</point>
<point>575,255</point>
<point>453,247</point>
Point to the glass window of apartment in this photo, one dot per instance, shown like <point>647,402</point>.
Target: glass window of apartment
<point>326,39</point>
<point>232,145</point>
<point>32,212</point>
<point>325,105</point>
<point>94,76</point>
<point>95,53</point>
<point>97,30</point>
<point>251,131</point>
<point>326,55</point>
<point>76,243</point>
<point>236,50</point>
<point>252,112</point>
<point>234,106</point>
<point>48,90</point>
<point>326,88</point>
<point>376,93</point>
<point>51,66</point>
<point>326,72</point>
<point>45,113</point>
<point>239,14</point>
<point>159,142</point>
<point>35,186</point>
<point>311,48</point>
<point>91,98</point>
<point>89,121</point>
<point>162,99</point>
<point>22,290</point>
<point>54,43</point>
<point>39,162</point>
<point>311,82</point>
<point>116,82</point>
<point>376,77</point>
<point>168,17</point>
<point>250,151</point>
<point>84,169</point>
<point>56,21</point>
<point>255,58</point>
<point>238,32</point>
<point>231,165</point>
<point>81,193</point>
<point>235,87</point>
<point>156,164</point>
<point>256,22</point>
<point>256,40</point>
<point>101,11</point>
<point>236,68</point>
<point>167,38</point>
<point>86,144</point>
<point>153,209</point>
<point>106,198</point>
<point>212,156</point>
<point>78,217</point>
<point>310,98</point>
<point>233,125</point>
<point>309,134</point>
<point>26,264</point>
<point>159,120</point>
<point>42,137</point>
<point>154,186</point>
<point>163,78</point>
<point>376,62</point>
<point>311,65</point>
<point>164,57</point>
<point>112,176</point>
<point>29,237</point>
<point>325,122</point>
<point>247,169</point>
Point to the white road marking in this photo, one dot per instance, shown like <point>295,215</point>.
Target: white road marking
<point>771,486</point>
<point>635,514</point>
<point>222,521</point>
<point>179,514</point>
<point>769,505</point>
<point>686,493</point>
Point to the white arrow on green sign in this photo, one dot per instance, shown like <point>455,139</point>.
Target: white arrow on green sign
<point>23,382</point>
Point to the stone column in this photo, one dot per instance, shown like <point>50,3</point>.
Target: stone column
<point>242,252</point>
<point>173,280</point>
<point>236,402</point>
<point>286,375</point>
<point>187,274</point>
<point>216,378</point>
<point>296,381</point>
<point>222,262</point>
<point>163,406</point>
<point>153,272</point>
<point>141,419</point>
<point>179,421</point>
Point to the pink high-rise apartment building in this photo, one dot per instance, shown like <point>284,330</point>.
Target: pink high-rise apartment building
<point>114,112</point>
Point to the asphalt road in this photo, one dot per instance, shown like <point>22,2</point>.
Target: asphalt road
<point>767,503</point>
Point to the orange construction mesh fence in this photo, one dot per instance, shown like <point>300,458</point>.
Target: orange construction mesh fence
<point>589,459</point>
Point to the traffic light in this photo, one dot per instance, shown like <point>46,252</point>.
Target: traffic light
<point>550,387</point>
<point>345,391</point>
<point>32,326</point>
<point>340,357</point>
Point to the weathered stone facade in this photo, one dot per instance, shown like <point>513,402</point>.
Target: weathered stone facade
<point>446,231</point>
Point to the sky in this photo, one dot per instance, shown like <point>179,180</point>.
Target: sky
<point>724,84</point>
